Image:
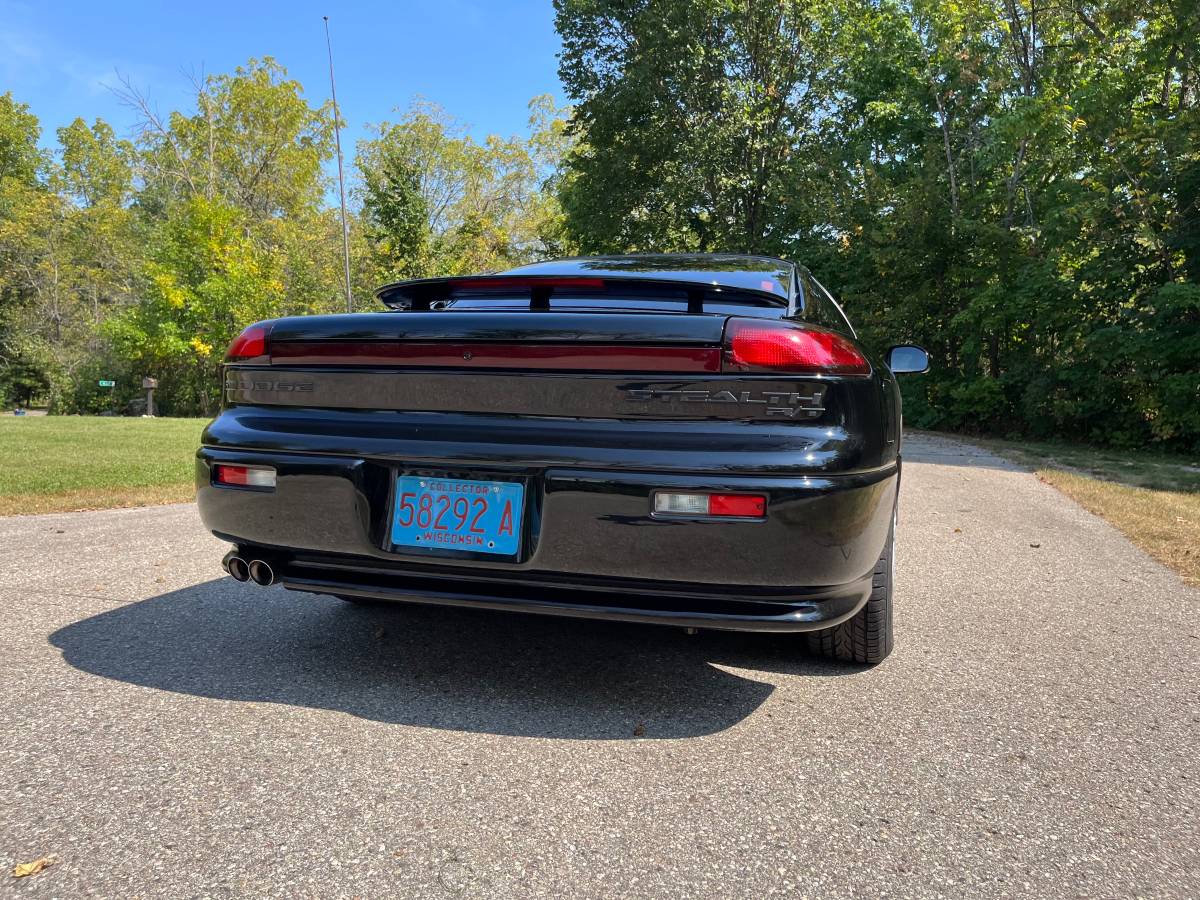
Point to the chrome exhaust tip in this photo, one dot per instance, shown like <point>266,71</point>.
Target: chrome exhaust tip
<point>261,573</point>
<point>239,570</point>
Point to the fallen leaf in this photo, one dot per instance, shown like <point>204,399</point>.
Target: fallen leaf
<point>24,870</point>
<point>380,632</point>
<point>639,729</point>
<point>958,531</point>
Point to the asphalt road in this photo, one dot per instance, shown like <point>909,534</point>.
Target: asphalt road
<point>166,732</point>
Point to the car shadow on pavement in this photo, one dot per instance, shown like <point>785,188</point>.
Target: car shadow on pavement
<point>466,670</point>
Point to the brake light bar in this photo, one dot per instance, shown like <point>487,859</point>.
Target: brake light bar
<point>489,283</point>
<point>260,477</point>
<point>750,346</point>
<point>739,506</point>
<point>529,357</point>
<point>758,345</point>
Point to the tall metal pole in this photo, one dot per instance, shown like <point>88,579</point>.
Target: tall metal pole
<point>337,134</point>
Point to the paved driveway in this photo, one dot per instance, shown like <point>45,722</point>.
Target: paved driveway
<point>166,732</point>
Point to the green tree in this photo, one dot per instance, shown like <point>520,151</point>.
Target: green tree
<point>24,369</point>
<point>1013,183</point>
<point>205,281</point>
<point>97,168</point>
<point>40,320</point>
<point>253,142</point>
<point>690,115</point>
<point>97,175</point>
<point>68,256</point>
<point>393,208</point>
<point>146,257</point>
<point>20,158</point>
<point>436,201</point>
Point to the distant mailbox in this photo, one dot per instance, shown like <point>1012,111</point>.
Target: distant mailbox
<point>149,383</point>
<point>104,382</point>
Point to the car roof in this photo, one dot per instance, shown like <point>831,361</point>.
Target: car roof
<point>733,270</point>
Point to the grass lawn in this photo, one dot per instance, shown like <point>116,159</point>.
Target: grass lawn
<point>62,463</point>
<point>1153,499</point>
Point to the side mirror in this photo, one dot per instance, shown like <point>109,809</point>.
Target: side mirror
<point>907,359</point>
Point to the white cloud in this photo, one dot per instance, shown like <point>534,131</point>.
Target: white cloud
<point>30,55</point>
<point>19,50</point>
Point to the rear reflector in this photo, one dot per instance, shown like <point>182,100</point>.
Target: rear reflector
<point>754,345</point>
<point>741,506</point>
<point>245,476</point>
<point>737,505</point>
<point>541,357</point>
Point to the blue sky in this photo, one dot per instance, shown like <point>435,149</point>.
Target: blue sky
<point>482,61</point>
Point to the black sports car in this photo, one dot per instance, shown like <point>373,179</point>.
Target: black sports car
<point>697,441</point>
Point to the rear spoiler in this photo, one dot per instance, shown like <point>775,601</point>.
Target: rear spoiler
<point>423,293</point>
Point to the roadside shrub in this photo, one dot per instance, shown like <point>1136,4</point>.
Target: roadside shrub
<point>84,396</point>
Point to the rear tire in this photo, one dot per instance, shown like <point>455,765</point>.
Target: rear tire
<point>866,638</point>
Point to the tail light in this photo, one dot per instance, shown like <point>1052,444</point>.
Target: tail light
<point>736,506</point>
<point>753,345</point>
<point>252,346</point>
<point>260,477</point>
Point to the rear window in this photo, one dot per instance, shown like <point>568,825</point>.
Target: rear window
<point>713,303</point>
<point>752,273</point>
<point>821,309</point>
<point>647,296</point>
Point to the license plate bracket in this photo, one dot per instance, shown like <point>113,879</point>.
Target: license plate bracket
<point>457,516</point>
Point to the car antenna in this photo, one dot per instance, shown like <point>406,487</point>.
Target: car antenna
<point>337,134</point>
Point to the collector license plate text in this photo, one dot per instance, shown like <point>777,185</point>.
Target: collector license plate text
<point>454,514</point>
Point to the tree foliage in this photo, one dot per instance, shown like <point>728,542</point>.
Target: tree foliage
<point>1012,183</point>
<point>20,158</point>
<point>252,142</point>
<point>204,281</point>
<point>97,167</point>
<point>690,115</point>
<point>436,201</point>
<point>128,258</point>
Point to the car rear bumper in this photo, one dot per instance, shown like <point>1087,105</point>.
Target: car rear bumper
<point>805,610</point>
<point>591,547</point>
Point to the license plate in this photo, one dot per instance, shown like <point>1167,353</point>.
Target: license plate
<point>453,514</point>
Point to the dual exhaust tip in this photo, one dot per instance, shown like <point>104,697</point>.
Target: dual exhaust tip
<point>256,570</point>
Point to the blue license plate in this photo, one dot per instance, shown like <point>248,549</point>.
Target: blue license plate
<point>453,514</point>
